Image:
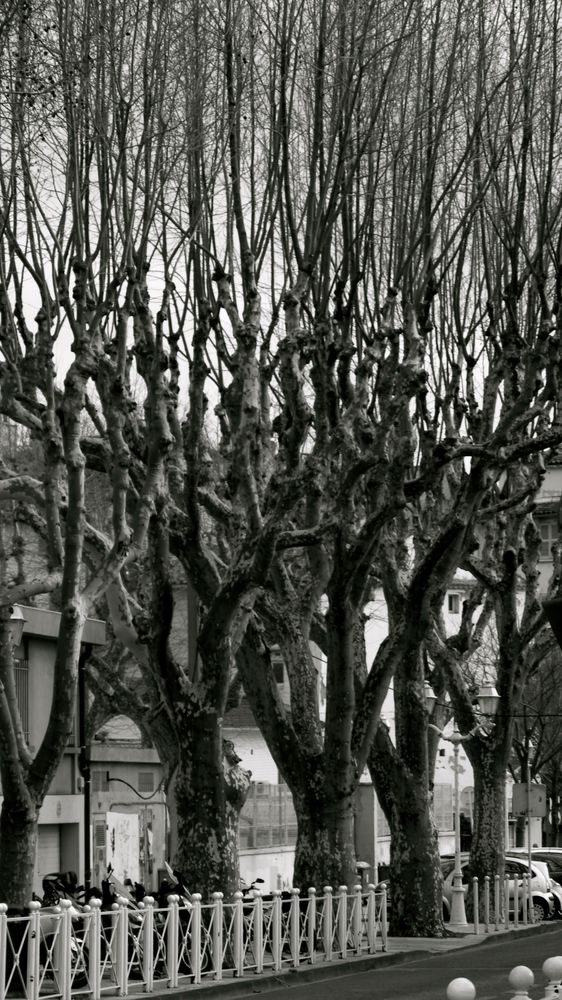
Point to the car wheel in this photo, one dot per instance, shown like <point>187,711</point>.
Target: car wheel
<point>540,911</point>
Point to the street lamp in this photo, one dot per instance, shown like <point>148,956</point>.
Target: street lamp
<point>488,700</point>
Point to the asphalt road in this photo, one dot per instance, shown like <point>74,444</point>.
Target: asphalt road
<point>487,965</point>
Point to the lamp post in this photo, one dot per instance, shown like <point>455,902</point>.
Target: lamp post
<point>488,700</point>
<point>458,912</point>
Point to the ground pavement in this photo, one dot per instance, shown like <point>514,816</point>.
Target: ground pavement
<point>398,950</point>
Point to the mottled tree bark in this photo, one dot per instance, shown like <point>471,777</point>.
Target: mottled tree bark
<point>210,790</point>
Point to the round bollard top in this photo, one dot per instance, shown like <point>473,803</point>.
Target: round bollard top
<point>461,989</point>
<point>552,968</point>
<point>521,977</point>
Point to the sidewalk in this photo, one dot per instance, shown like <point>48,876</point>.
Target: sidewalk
<point>398,950</point>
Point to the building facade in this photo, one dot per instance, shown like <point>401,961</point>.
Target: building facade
<point>60,845</point>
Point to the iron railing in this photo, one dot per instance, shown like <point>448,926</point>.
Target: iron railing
<point>51,951</point>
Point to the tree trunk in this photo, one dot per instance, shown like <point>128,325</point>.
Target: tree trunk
<point>325,843</point>
<point>489,764</point>
<point>210,791</point>
<point>416,885</point>
<point>416,880</point>
<point>18,844</point>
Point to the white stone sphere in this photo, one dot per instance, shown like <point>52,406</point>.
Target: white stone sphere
<point>461,989</point>
<point>521,978</point>
<point>552,968</point>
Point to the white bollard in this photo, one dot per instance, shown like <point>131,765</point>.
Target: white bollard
<point>461,989</point>
<point>521,978</point>
<point>552,971</point>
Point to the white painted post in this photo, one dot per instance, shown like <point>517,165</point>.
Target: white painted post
<point>33,945</point>
<point>294,927</point>
<point>147,932</point>
<point>275,930</point>
<point>476,904</point>
<point>64,953</point>
<point>521,978</point>
<point>172,939</point>
<point>196,938</point>
<point>384,919</point>
<point>506,901</point>
<point>516,903</point>
<point>258,930</point>
<point>357,921</point>
<point>93,941</point>
<point>327,922</point>
<point>552,971</point>
<point>238,935</point>
<point>461,989</point>
<point>311,928</point>
<point>216,937</point>
<point>120,938</point>
<point>3,946</point>
<point>56,948</point>
<point>486,904</point>
<point>342,920</point>
<point>526,899</point>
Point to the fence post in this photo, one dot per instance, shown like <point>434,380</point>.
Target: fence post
<point>238,934</point>
<point>342,920</point>
<point>357,915</point>
<point>476,904</point>
<point>516,903</point>
<point>371,919</point>
<point>3,946</point>
<point>275,929</point>
<point>172,939</point>
<point>311,927</point>
<point>196,938</point>
<point>552,971</point>
<point>216,937</point>
<point>258,930</point>
<point>64,939</point>
<point>327,922</point>
<point>93,939</point>
<point>384,919</point>
<point>33,947</point>
<point>148,943</point>
<point>526,899</point>
<point>294,929</point>
<point>506,901</point>
<point>121,934</point>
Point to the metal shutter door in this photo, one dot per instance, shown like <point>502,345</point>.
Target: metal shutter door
<point>48,850</point>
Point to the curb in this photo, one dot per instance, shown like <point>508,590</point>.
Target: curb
<point>266,982</point>
<point>288,978</point>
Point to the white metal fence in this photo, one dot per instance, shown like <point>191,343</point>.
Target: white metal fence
<point>51,952</point>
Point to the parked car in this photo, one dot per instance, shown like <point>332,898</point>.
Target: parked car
<point>551,857</point>
<point>544,902</point>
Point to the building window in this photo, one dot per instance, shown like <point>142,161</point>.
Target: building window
<point>549,535</point>
<point>145,781</point>
<point>443,806</point>
<point>99,781</point>
<point>21,680</point>
<point>454,603</point>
